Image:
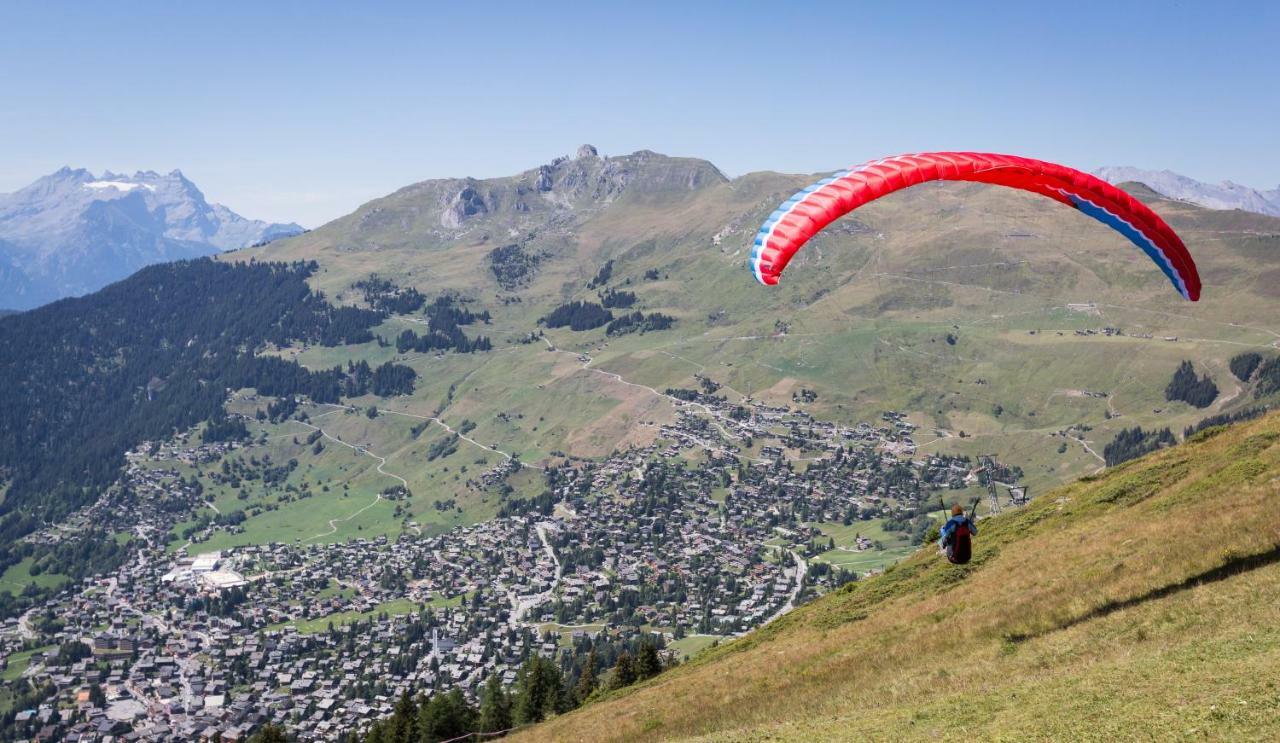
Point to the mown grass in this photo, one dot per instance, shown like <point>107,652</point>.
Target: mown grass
<point>1138,604</point>
<point>18,662</point>
<point>689,646</point>
<point>893,545</point>
<point>395,607</point>
<point>18,576</point>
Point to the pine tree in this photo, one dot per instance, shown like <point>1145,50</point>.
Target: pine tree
<point>647,664</point>
<point>403,721</point>
<point>445,716</point>
<point>538,690</point>
<point>587,681</point>
<point>1243,365</point>
<point>495,706</point>
<point>1190,388</point>
<point>624,672</point>
<point>269,734</point>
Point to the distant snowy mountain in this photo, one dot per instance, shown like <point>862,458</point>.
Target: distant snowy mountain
<point>72,232</point>
<point>1225,195</point>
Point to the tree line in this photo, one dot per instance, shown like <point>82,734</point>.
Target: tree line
<point>542,689</point>
<point>1135,442</point>
<point>639,322</point>
<point>602,276</point>
<point>614,299</point>
<point>577,315</point>
<point>386,380</point>
<point>512,265</point>
<point>1226,419</point>
<point>1263,370</point>
<point>444,331</point>
<point>383,294</point>
<point>1191,388</point>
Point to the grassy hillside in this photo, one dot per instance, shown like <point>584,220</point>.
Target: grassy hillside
<point>1017,282</point>
<point>1140,604</point>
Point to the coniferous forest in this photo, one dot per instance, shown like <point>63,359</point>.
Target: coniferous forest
<point>543,688</point>
<point>1132,443</point>
<point>84,380</point>
<point>1190,388</point>
<point>578,316</point>
<point>1262,370</point>
<point>444,318</point>
<point>639,322</point>
<point>1269,377</point>
<point>1243,365</point>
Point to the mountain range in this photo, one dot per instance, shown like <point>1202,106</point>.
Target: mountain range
<point>1225,195</point>
<point>72,232</point>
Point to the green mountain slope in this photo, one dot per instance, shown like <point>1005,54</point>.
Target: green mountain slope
<point>976,310</point>
<point>1140,604</point>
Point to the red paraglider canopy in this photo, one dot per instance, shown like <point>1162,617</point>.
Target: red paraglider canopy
<point>809,211</point>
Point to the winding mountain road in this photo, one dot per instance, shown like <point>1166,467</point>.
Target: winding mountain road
<point>382,461</point>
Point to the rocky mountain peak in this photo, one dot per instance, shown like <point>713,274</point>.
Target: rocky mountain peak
<point>71,232</point>
<point>566,183</point>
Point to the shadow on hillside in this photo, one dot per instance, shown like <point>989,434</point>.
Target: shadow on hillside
<point>1232,567</point>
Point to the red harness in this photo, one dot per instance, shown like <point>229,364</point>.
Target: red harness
<point>959,547</point>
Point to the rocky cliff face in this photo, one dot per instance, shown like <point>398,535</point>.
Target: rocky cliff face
<point>570,184</point>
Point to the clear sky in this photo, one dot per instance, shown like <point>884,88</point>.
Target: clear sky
<point>302,111</point>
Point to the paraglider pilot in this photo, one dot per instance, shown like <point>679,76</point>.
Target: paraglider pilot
<point>954,540</point>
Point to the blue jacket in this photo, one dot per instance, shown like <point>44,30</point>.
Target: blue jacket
<point>950,527</point>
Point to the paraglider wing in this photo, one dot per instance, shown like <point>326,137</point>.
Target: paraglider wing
<point>809,211</point>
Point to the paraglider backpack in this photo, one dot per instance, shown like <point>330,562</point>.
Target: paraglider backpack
<point>960,548</point>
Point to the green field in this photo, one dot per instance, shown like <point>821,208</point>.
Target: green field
<point>528,401</point>
<point>333,495</point>
<point>687,647</point>
<point>395,607</point>
<point>895,545</point>
<point>18,576</point>
<point>19,661</point>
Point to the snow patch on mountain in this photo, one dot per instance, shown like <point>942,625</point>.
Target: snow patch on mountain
<point>118,185</point>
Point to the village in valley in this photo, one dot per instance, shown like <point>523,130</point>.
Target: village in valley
<point>734,514</point>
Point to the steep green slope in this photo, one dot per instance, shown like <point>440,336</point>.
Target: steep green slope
<point>1140,604</point>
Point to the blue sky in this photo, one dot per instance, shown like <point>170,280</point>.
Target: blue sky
<point>302,111</point>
